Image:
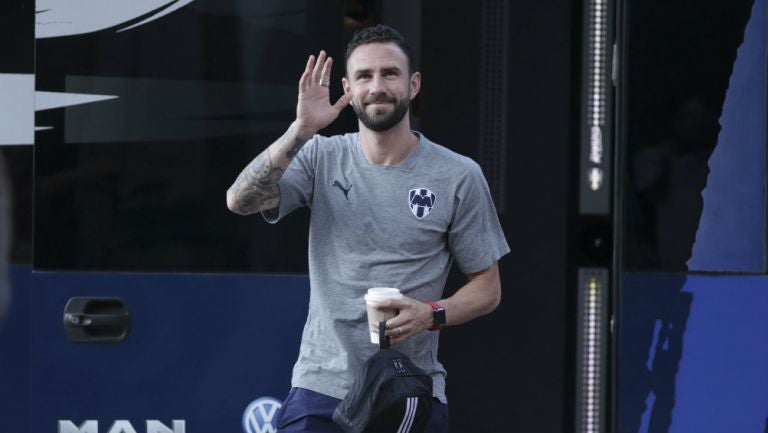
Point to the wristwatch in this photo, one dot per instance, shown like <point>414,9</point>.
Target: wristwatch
<point>438,316</point>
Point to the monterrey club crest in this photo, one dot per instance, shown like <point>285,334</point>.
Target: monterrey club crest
<point>421,201</point>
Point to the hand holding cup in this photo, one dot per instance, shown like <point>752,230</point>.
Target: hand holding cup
<point>374,296</point>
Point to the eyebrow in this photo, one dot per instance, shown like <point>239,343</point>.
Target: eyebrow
<point>384,70</point>
<point>391,69</point>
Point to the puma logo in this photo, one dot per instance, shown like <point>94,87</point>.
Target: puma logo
<point>338,185</point>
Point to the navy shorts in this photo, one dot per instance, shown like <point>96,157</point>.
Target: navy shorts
<point>311,412</point>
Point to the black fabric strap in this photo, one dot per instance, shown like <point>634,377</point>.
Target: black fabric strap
<point>383,339</point>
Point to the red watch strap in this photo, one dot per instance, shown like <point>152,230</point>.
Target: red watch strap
<point>435,306</point>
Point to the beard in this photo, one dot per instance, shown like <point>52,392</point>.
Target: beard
<point>386,121</point>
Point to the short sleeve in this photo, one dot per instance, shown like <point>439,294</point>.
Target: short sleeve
<point>297,183</point>
<point>475,237</point>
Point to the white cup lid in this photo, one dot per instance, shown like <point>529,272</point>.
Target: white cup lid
<point>382,293</point>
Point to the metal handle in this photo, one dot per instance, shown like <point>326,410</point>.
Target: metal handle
<point>96,320</point>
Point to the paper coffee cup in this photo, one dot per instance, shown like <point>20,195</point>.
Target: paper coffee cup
<point>373,297</point>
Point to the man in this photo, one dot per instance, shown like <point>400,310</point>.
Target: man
<point>389,208</point>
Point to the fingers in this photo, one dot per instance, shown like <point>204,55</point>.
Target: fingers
<point>394,323</point>
<point>398,334</point>
<point>410,319</point>
<point>306,77</point>
<point>400,330</point>
<point>392,327</point>
<point>317,70</point>
<point>387,304</point>
<point>342,102</point>
<point>325,74</point>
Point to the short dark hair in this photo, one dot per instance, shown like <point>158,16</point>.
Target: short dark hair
<point>379,34</point>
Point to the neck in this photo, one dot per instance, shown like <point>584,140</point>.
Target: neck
<point>389,147</point>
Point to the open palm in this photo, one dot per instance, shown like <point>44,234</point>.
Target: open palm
<point>314,110</point>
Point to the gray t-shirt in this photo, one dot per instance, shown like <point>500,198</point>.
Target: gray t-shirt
<point>381,226</point>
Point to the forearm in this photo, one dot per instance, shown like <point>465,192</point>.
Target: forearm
<point>256,188</point>
<point>480,296</point>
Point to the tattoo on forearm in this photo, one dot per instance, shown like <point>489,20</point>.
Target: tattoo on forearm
<point>297,145</point>
<point>257,186</point>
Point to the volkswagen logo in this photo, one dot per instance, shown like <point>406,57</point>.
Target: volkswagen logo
<point>261,415</point>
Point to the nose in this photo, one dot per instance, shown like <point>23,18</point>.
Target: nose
<point>377,85</point>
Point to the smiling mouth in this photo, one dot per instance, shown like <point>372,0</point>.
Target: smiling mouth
<point>379,103</point>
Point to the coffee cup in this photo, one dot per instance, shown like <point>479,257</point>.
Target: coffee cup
<point>372,298</point>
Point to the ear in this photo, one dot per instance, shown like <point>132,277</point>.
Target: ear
<point>415,84</point>
<point>345,84</point>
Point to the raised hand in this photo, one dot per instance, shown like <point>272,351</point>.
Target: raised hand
<point>314,110</point>
<point>256,189</point>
